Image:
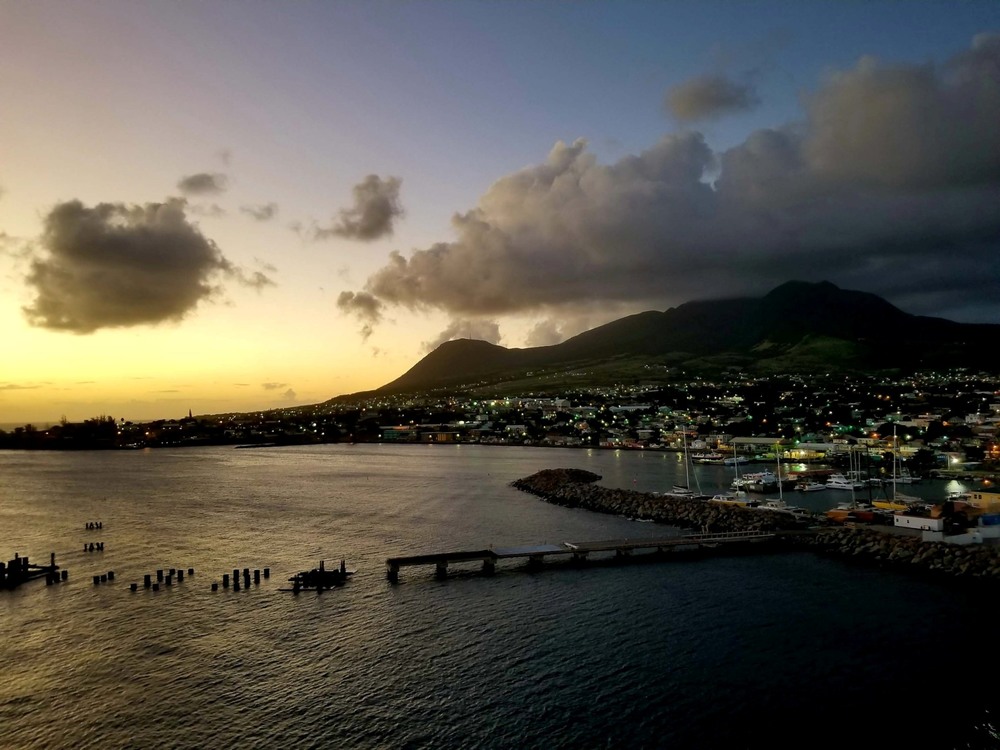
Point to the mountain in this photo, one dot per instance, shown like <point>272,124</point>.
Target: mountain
<point>797,327</point>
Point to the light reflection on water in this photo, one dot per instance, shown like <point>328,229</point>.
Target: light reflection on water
<point>686,654</point>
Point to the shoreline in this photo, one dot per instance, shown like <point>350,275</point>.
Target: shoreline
<point>576,488</point>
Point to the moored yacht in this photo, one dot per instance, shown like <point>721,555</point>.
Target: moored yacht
<point>843,482</point>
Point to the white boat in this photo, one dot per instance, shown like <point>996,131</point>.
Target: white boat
<point>780,506</point>
<point>735,460</point>
<point>843,482</point>
<point>810,486</point>
<point>708,458</point>
<point>732,498</point>
<point>684,491</point>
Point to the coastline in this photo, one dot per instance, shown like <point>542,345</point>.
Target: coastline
<point>575,488</point>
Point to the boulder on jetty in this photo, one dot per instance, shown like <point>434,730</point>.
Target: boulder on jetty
<point>575,488</point>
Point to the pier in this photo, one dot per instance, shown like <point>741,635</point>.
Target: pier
<point>579,552</point>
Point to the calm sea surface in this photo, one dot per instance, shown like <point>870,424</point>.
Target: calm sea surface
<point>785,650</point>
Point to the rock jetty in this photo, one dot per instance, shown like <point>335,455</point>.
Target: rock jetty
<point>575,488</point>
<point>869,546</point>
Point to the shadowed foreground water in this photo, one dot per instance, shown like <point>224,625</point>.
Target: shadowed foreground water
<point>785,650</point>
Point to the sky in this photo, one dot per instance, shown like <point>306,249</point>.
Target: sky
<point>230,206</point>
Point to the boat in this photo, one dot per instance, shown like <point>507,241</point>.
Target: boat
<point>898,501</point>
<point>708,458</point>
<point>684,491</point>
<point>732,498</point>
<point>903,476</point>
<point>843,482</point>
<point>780,506</point>
<point>758,481</point>
<point>735,460</point>
<point>810,486</point>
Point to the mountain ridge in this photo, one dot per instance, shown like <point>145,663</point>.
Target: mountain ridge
<point>796,326</point>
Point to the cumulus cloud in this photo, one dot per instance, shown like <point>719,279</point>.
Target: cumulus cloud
<point>481,330</point>
<point>376,207</point>
<point>118,265</point>
<point>262,212</point>
<point>889,184</point>
<point>365,307</point>
<point>203,183</point>
<point>545,333</point>
<point>210,210</point>
<point>709,97</point>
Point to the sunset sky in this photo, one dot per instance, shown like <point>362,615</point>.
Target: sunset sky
<point>230,206</point>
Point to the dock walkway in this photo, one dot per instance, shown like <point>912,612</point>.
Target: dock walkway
<point>534,555</point>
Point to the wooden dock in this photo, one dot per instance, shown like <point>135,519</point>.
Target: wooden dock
<point>579,552</point>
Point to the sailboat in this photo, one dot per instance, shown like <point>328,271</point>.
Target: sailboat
<point>898,501</point>
<point>779,504</point>
<point>738,496</point>
<point>684,490</point>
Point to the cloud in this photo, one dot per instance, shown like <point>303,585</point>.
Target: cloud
<point>544,333</point>
<point>290,394</point>
<point>376,207</point>
<point>262,212</point>
<point>203,183</point>
<point>365,307</point>
<point>16,387</point>
<point>210,210</point>
<point>117,265</point>
<point>273,386</point>
<point>889,184</point>
<point>709,97</point>
<point>481,330</point>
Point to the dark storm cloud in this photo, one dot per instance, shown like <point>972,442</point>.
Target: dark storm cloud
<point>118,265</point>
<point>481,330</point>
<point>263,212</point>
<point>890,184</point>
<point>376,207</point>
<point>709,97</point>
<point>203,183</point>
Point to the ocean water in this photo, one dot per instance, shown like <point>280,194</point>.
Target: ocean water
<point>778,650</point>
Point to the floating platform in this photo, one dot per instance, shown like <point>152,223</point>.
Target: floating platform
<point>17,571</point>
<point>320,579</point>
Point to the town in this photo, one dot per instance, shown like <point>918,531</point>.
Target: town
<point>932,422</point>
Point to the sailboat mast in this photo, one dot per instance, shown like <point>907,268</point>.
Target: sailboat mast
<point>687,475</point>
<point>777,455</point>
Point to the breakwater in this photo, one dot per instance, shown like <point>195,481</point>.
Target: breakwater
<point>574,488</point>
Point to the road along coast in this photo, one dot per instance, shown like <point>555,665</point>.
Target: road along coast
<point>575,488</point>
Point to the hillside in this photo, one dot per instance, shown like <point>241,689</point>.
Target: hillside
<point>797,327</point>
